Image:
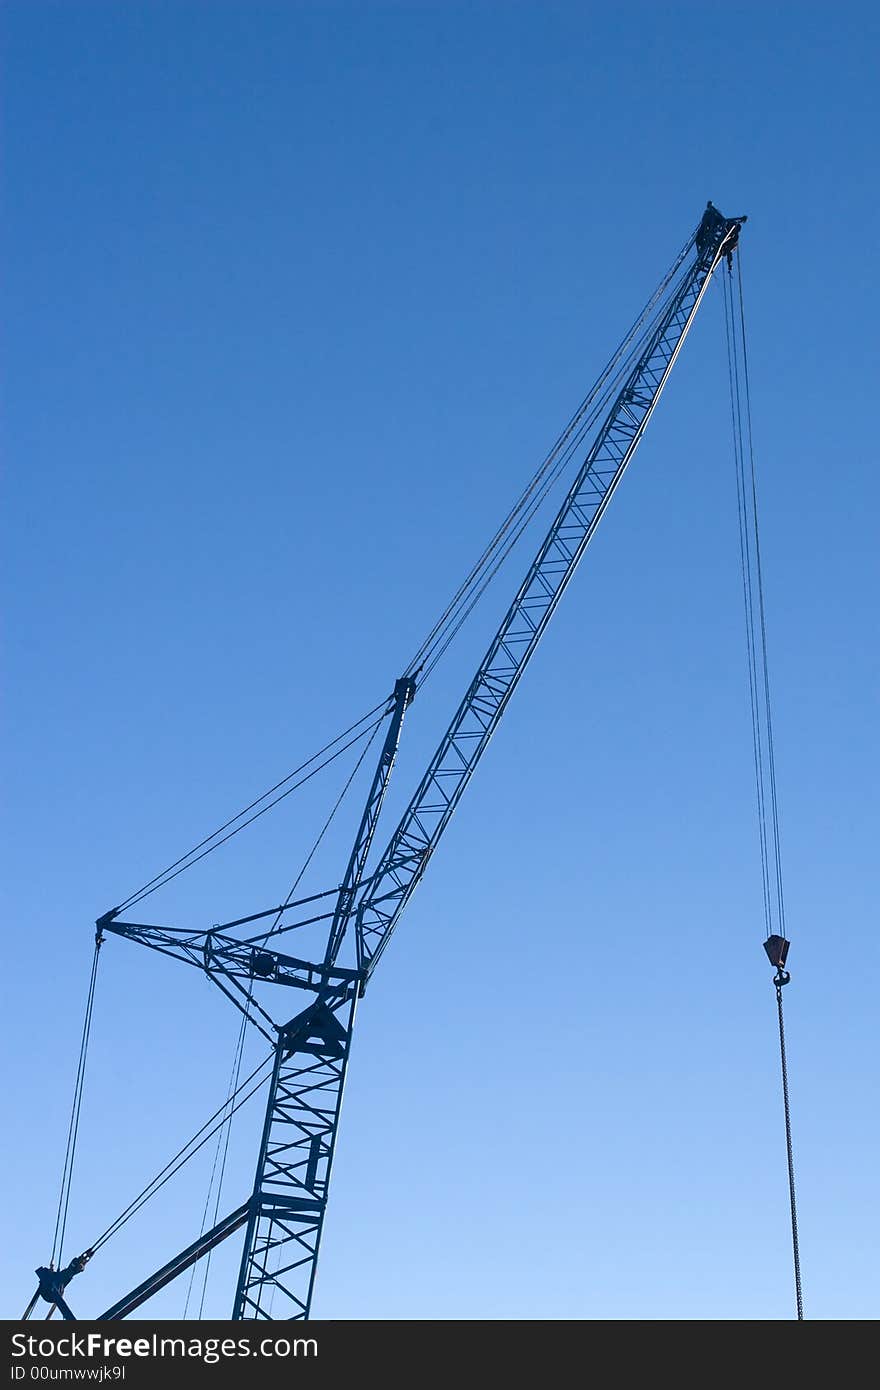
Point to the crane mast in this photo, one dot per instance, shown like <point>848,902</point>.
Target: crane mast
<point>284,1214</point>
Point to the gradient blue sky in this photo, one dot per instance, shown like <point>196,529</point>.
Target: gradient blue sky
<point>296,296</point>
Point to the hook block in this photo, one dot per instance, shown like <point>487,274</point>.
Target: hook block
<point>777,950</point>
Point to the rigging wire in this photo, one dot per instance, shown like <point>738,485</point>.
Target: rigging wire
<point>228,1109</point>
<point>222,1143</point>
<point>748,599</point>
<point>234,1086</point>
<point>755,613</point>
<point>187,860</point>
<point>187,1152</point>
<point>460,606</point>
<point>73,1126</point>
<point>566,442</point>
<point>771,758</point>
<point>559,454</point>
<point>276,927</point>
<point>767,800</point>
<point>564,459</point>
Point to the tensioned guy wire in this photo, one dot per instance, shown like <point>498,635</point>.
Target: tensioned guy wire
<point>233,1087</point>
<point>771,758</point>
<point>186,861</point>
<point>188,1151</point>
<point>276,928</point>
<point>543,478</point>
<point>73,1127</point>
<point>464,600</point>
<point>748,602</point>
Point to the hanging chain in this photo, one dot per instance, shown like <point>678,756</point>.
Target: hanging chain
<point>781,978</point>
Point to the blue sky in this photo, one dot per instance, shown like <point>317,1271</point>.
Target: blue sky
<point>297,295</point>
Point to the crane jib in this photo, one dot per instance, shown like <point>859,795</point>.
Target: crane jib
<point>403,862</point>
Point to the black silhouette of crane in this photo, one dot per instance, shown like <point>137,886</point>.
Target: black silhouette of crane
<point>283,1215</point>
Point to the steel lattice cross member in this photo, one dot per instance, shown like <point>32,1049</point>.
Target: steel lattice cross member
<point>277,1275</point>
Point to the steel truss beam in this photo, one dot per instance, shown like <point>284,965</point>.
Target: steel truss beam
<point>277,1275</point>
<point>404,694</point>
<point>413,842</point>
<point>188,1257</point>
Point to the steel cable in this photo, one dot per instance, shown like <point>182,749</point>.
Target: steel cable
<point>73,1126</point>
<point>759,694</point>
<point>566,442</point>
<point>460,606</point>
<point>187,861</point>
<point>184,1154</point>
<point>276,928</point>
<point>748,601</point>
<point>771,757</point>
<point>222,1143</point>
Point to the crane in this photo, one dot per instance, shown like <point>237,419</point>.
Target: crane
<point>310,1042</point>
